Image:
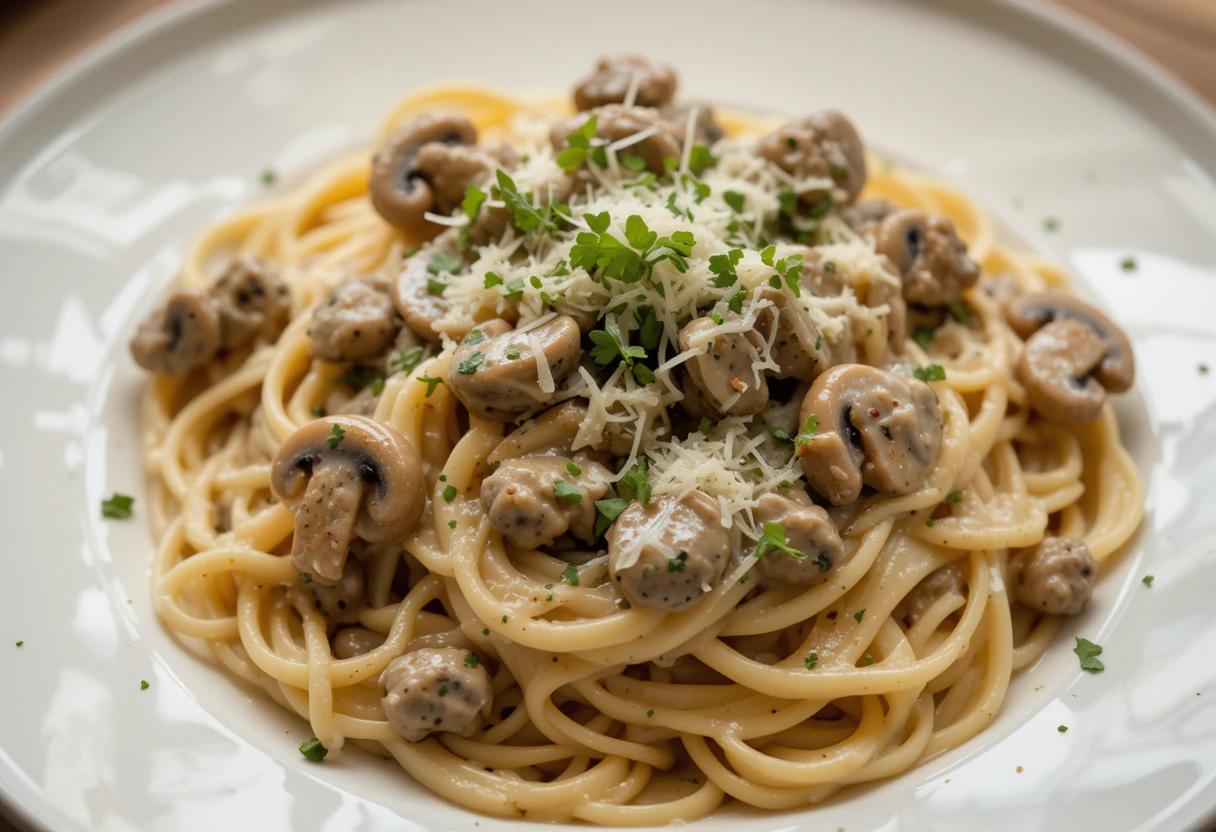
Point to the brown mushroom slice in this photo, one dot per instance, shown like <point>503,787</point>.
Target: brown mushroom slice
<point>535,499</point>
<point>355,641</point>
<point>178,336</point>
<point>553,430</point>
<point>823,145</point>
<point>929,255</point>
<point>252,301</point>
<point>807,528</point>
<point>666,554</point>
<point>497,371</point>
<point>614,122</point>
<point>418,306</point>
<point>1056,578</point>
<point>418,169</point>
<point>356,321</point>
<point>613,77</point>
<point>436,689</point>
<point>798,348</point>
<point>872,427</point>
<point>705,128</point>
<point>723,372</point>
<point>344,476</point>
<point>1059,368</point>
<point>1027,313</point>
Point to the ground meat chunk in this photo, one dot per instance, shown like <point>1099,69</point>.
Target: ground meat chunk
<point>613,76</point>
<point>930,256</point>
<point>1056,578</point>
<point>252,302</point>
<point>344,598</point>
<point>526,504</point>
<point>436,689</point>
<point>667,554</point>
<point>180,335</point>
<point>808,529</point>
<point>822,145</point>
<point>357,321</point>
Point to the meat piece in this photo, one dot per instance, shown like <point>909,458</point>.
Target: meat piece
<point>1056,578</point>
<point>613,76</point>
<point>808,529</point>
<point>666,554</point>
<point>433,690</point>
<point>252,302</point>
<point>948,580</point>
<point>355,641</point>
<point>357,321</point>
<point>180,335</point>
<point>533,500</point>
<point>343,599</point>
<point>614,122</point>
<point>823,145</point>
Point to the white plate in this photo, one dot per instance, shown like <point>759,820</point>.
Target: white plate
<point>109,171</point>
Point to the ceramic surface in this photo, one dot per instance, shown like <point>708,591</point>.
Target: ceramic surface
<point>107,174</point>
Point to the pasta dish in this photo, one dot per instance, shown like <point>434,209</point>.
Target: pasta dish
<point>616,457</point>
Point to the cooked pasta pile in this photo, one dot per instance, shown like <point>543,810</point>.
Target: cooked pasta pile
<point>671,563</point>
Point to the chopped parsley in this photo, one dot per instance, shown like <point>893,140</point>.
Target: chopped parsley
<point>606,512</point>
<point>573,469</point>
<point>451,524</point>
<point>678,563</point>
<point>360,376</point>
<point>723,267</point>
<point>471,204</point>
<point>443,263</point>
<point>1063,729</point>
<point>474,336</point>
<point>700,159</point>
<point>566,492</point>
<point>269,177</point>
<point>471,660</point>
<point>143,684</point>
<point>1128,264</point>
<point>449,493</point>
<point>305,578</point>
<point>808,431</point>
<point>579,148</point>
<point>930,522</point>
<point>406,360</point>
<point>631,162</point>
<point>1147,580</point>
<point>1051,224</point>
<point>117,506</point>
<point>954,497</point>
<point>779,434</point>
<point>313,751</point>
<point>636,482</point>
<point>1203,369</point>
<point>608,346</point>
<point>650,713</point>
<point>933,372</point>
<point>431,383</point>
<point>924,336</point>
<point>570,575</point>
<point>527,217</point>
<point>336,435</point>
<point>958,311</point>
<point>735,200</point>
<point>435,288</point>
<point>470,365</point>
<point>773,538</point>
<point>867,660</point>
<point>812,659</point>
<point>860,614</point>
<point>596,249</point>
<point>1088,653</point>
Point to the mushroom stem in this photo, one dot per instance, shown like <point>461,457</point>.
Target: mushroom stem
<point>325,521</point>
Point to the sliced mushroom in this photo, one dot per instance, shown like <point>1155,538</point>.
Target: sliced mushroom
<point>614,122</point>
<point>433,690</point>
<point>417,304</point>
<point>1027,313</point>
<point>496,372</point>
<point>534,500</point>
<point>554,430</point>
<point>1056,578</point>
<point>344,599</point>
<point>178,336</point>
<point>930,256</point>
<point>420,168</point>
<point>1059,367</point>
<point>252,302</point>
<point>871,427</point>
<point>355,641</point>
<point>723,373</point>
<point>808,529</point>
<point>345,476</point>
<point>666,554</point>
<point>615,75</point>
<point>948,580</point>
<point>705,128</point>
<point>356,321</point>
<point>798,348</point>
<point>823,145</point>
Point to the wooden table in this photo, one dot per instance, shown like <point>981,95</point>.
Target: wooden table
<point>38,36</point>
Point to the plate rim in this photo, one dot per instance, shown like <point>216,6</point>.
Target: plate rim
<point>1101,44</point>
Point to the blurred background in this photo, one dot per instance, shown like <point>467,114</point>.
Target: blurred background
<point>38,36</point>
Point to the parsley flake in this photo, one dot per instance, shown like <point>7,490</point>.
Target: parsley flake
<point>406,360</point>
<point>471,660</point>
<point>117,506</point>
<point>773,538</point>
<point>933,372</point>
<point>1088,653</point>
<point>336,435</point>
<point>570,575</point>
<point>470,365</point>
<point>449,493</point>
<point>566,492</point>
<point>1147,580</point>
<point>812,659</point>
<point>313,751</point>
<point>431,383</point>
<point>143,684</point>
<point>636,482</point>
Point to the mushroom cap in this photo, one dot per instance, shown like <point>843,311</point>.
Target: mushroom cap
<point>609,83</point>
<point>436,689</point>
<point>1059,367</point>
<point>929,255</point>
<point>1028,313</point>
<point>399,192</point>
<point>723,373</point>
<point>385,462</point>
<point>178,336</point>
<point>873,428</point>
<point>494,370</point>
